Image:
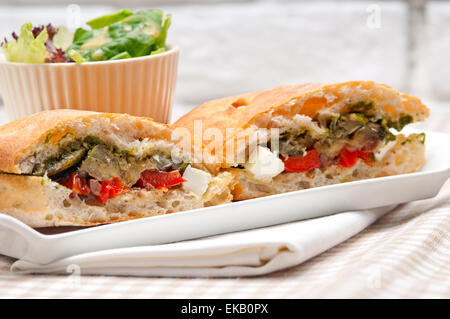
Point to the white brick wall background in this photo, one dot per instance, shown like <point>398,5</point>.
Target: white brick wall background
<point>438,43</point>
<point>229,47</point>
<point>239,47</point>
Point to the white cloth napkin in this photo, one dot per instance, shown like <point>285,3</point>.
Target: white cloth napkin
<point>246,253</point>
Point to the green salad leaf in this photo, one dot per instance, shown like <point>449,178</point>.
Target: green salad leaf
<point>121,56</point>
<point>27,48</point>
<point>161,40</point>
<point>121,35</point>
<point>63,38</point>
<point>108,19</point>
<point>76,56</point>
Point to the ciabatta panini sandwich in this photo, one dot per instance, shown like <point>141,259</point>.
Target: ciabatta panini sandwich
<point>68,167</point>
<point>310,135</point>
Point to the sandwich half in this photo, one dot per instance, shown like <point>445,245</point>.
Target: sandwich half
<point>301,136</point>
<point>68,167</point>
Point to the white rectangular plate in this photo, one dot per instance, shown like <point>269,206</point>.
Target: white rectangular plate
<point>20,241</point>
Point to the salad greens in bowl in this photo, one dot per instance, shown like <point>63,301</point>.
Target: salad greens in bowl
<point>119,63</point>
<point>120,35</point>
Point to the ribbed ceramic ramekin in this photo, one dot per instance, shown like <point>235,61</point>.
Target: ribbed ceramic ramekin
<point>141,86</point>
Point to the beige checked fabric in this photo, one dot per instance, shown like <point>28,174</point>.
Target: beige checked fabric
<point>405,254</point>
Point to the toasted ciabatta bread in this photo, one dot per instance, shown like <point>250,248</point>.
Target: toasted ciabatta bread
<point>317,134</point>
<point>68,167</point>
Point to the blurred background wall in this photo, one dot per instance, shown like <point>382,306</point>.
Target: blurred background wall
<point>231,47</point>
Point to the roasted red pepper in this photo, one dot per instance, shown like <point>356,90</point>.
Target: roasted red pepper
<point>303,163</point>
<point>76,183</point>
<point>80,186</point>
<point>348,158</point>
<point>160,179</point>
<point>110,189</point>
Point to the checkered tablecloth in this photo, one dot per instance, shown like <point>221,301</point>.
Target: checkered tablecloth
<point>404,254</point>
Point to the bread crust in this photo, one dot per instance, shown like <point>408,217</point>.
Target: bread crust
<point>221,113</point>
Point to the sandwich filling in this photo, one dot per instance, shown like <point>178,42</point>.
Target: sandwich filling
<point>329,139</point>
<point>96,171</point>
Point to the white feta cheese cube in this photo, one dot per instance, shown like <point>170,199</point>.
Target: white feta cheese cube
<point>263,164</point>
<point>197,181</point>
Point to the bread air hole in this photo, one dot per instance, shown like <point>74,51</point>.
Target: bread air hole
<point>240,102</point>
<point>162,204</point>
<point>303,184</point>
<point>175,204</point>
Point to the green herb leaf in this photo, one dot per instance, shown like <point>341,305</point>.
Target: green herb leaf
<point>401,122</point>
<point>360,106</point>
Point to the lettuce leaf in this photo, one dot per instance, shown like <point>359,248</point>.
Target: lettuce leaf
<point>63,38</point>
<point>82,35</point>
<point>103,21</point>
<point>157,51</point>
<point>76,56</point>
<point>121,56</point>
<point>27,48</point>
<point>161,40</point>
